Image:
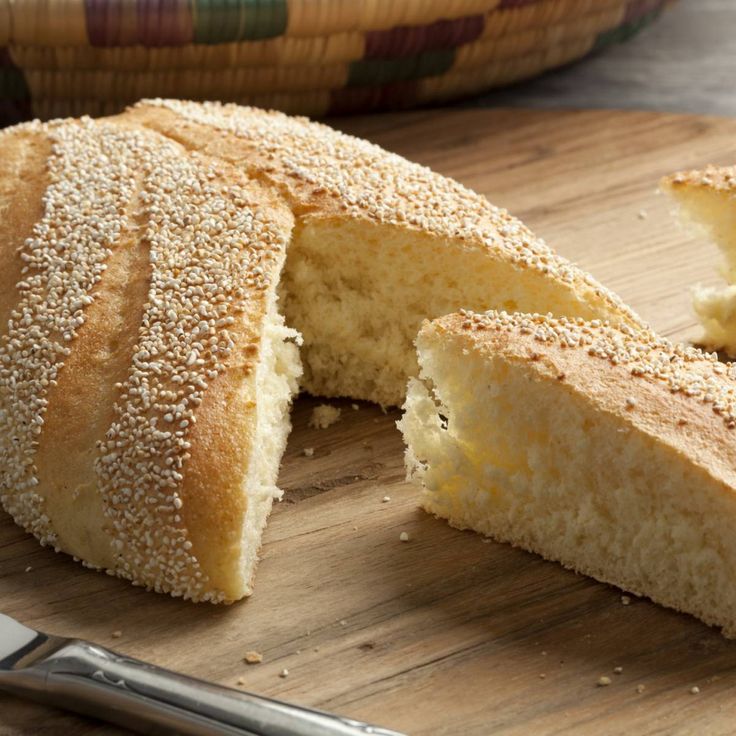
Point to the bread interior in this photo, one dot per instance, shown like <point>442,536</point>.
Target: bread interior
<point>277,381</point>
<point>527,460</point>
<point>358,291</point>
<point>712,214</point>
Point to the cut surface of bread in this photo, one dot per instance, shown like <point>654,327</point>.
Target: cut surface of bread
<point>611,451</point>
<point>707,201</point>
<point>145,373</point>
<point>157,270</point>
<point>379,244</point>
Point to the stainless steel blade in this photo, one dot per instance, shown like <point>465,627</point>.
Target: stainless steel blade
<point>86,678</point>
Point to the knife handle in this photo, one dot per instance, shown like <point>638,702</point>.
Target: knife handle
<point>95,681</point>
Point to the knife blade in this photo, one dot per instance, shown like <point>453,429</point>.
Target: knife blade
<point>77,675</point>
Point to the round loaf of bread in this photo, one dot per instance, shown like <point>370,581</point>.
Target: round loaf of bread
<point>148,266</point>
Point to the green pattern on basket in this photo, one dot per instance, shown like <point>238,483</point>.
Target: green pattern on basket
<point>639,14</point>
<point>305,56</point>
<point>222,21</point>
<point>385,71</point>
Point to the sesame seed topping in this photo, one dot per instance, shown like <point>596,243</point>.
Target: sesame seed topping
<point>307,159</point>
<point>678,369</point>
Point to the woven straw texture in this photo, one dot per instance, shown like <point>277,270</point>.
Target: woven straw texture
<point>69,57</point>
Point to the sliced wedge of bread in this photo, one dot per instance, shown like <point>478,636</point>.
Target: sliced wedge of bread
<point>609,450</point>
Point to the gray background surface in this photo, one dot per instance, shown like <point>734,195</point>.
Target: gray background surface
<point>685,62</point>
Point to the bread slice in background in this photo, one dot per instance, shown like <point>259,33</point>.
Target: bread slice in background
<point>707,202</point>
<point>145,373</point>
<point>379,244</point>
<point>611,451</point>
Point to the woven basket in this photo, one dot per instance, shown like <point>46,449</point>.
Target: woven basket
<point>69,57</point>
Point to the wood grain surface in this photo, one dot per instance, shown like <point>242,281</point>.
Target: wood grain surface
<point>446,633</point>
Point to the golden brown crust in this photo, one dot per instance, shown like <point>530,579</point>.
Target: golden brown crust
<point>167,253</point>
<point>681,396</point>
<point>711,178</point>
<point>323,173</point>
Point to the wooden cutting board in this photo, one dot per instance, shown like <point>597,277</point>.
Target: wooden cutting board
<point>445,634</point>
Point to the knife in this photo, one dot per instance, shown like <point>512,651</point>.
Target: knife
<point>77,675</point>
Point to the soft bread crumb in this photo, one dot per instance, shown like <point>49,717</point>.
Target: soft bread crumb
<point>694,690</point>
<point>640,689</point>
<point>117,634</point>
<point>603,681</point>
<point>253,657</point>
<point>404,537</point>
<point>324,416</point>
<point>29,568</point>
<point>308,452</point>
<point>618,670</point>
<point>240,681</point>
<point>385,499</point>
<point>625,600</point>
<point>284,673</point>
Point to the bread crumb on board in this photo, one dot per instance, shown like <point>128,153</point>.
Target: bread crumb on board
<point>694,690</point>
<point>117,634</point>
<point>603,681</point>
<point>308,452</point>
<point>640,689</point>
<point>404,537</point>
<point>625,600</point>
<point>324,416</point>
<point>240,681</point>
<point>253,657</point>
<point>284,673</point>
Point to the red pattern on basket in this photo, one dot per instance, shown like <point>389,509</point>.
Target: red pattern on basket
<point>411,40</point>
<point>147,22</point>
<point>395,96</point>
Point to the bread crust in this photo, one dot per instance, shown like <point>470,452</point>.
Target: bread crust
<point>690,405</point>
<point>325,174</point>
<point>73,501</point>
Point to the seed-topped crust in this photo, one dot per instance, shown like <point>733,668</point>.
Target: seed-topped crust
<point>678,394</point>
<point>324,174</point>
<point>713,178</point>
<point>143,480</point>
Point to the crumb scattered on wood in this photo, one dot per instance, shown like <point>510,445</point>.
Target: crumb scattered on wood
<point>404,537</point>
<point>253,657</point>
<point>643,214</point>
<point>694,690</point>
<point>355,407</point>
<point>603,681</point>
<point>308,451</point>
<point>29,568</point>
<point>618,670</point>
<point>640,689</point>
<point>625,600</point>
<point>324,416</point>
<point>385,499</point>
<point>117,634</point>
<point>284,673</point>
<point>542,676</point>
